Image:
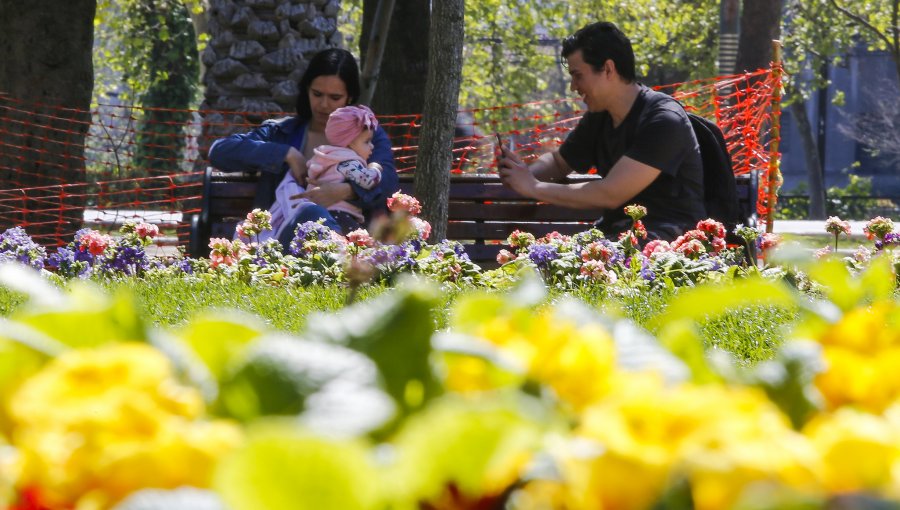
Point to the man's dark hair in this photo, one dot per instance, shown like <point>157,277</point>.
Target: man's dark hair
<point>599,42</point>
<point>330,62</point>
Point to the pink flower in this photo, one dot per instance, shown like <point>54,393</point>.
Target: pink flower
<point>862,255</point>
<point>656,246</point>
<point>822,252</point>
<point>504,257</point>
<point>146,230</point>
<point>402,202</point>
<point>837,226</point>
<point>878,227</point>
<point>423,228</point>
<point>361,237</point>
<point>691,248</point>
<point>217,259</point>
<point>520,240</point>
<point>639,229</point>
<point>768,240</point>
<point>95,242</point>
<point>555,236</point>
<point>711,227</point>
<point>596,251</point>
<point>594,270</point>
<point>627,237</point>
<point>718,244</point>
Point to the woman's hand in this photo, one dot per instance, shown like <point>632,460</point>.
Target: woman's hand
<point>328,193</point>
<point>297,164</point>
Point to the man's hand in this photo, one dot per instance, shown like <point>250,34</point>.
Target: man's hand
<point>327,194</point>
<point>297,164</point>
<point>514,173</point>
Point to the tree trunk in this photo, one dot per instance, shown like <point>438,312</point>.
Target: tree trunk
<point>432,177</point>
<point>378,34</point>
<point>760,24</point>
<point>404,69</point>
<point>813,165</point>
<point>47,58</point>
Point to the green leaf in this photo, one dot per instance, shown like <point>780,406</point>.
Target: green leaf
<point>395,331</point>
<point>332,388</point>
<point>788,380</point>
<point>282,468</point>
<point>218,338</point>
<point>482,448</point>
<point>87,318</point>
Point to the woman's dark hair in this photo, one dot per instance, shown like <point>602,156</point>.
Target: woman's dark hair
<point>330,62</point>
<point>600,42</point>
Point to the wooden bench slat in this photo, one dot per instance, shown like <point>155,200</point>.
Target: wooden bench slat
<point>232,189</point>
<point>466,230</point>
<point>523,211</point>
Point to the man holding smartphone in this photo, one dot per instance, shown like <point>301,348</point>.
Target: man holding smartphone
<point>640,141</point>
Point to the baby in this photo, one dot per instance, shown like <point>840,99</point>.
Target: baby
<point>349,133</point>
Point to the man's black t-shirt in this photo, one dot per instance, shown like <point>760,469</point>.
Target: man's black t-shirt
<point>658,133</point>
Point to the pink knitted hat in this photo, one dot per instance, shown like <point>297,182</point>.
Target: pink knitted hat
<point>345,124</point>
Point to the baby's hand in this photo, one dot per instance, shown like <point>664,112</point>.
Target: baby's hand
<point>366,177</point>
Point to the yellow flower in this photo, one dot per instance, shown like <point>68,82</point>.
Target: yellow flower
<point>862,352</point>
<point>860,451</point>
<point>722,439</point>
<point>751,447</point>
<point>97,424</point>
<point>866,329</point>
<point>573,360</point>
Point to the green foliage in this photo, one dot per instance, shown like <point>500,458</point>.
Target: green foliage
<point>816,33</point>
<point>844,202</point>
<point>511,51</point>
<point>281,468</point>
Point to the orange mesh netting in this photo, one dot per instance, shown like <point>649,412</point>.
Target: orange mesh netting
<point>146,163</point>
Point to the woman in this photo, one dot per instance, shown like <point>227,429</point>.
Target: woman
<point>278,146</point>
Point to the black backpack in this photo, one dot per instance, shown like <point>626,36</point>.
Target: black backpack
<point>720,189</point>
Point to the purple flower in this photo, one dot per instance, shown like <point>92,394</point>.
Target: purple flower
<point>127,259</point>
<point>647,272</point>
<point>16,245</point>
<point>542,254</point>
<point>66,264</point>
<point>308,231</point>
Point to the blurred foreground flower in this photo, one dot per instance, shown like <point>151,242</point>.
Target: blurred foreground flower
<point>95,425</point>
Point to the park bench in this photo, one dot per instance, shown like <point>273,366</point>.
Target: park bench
<point>482,212</point>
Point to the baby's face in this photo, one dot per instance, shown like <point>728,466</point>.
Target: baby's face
<point>362,144</point>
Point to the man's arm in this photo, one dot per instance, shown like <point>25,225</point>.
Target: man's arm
<point>549,167</point>
<point>625,180</point>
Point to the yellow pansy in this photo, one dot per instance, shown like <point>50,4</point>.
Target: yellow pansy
<point>866,329</point>
<point>859,451</point>
<point>97,424</point>
<point>573,360</point>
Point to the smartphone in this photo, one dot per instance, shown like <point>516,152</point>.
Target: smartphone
<point>499,141</point>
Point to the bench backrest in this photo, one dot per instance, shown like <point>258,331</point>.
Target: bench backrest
<point>482,212</point>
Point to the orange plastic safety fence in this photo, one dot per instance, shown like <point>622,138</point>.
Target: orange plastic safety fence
<point>60,167</point>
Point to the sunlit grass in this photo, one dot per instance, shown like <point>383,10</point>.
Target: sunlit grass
<point>750,334</point>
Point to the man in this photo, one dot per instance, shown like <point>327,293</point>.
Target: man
<point>640,141</point>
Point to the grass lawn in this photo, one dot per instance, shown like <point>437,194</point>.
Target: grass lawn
<point>751,334</point>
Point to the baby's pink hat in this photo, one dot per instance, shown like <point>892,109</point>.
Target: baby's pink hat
<point>345,124</point>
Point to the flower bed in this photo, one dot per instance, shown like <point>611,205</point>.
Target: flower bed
<point>372,408</point>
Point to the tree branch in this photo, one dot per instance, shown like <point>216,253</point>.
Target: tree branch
<point>863,22</point>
